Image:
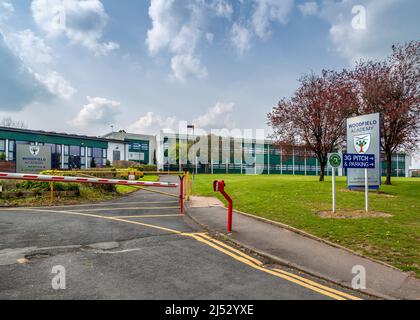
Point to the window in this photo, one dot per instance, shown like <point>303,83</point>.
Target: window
<point>2,145</point>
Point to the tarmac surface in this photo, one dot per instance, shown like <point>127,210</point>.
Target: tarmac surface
<point>137,247</point>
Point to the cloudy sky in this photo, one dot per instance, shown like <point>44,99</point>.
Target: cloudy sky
<point>81,66</point>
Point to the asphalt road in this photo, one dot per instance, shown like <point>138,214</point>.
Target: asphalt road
<point>135,247</point>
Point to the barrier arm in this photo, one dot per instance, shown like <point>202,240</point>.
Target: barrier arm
<point>48,178</point>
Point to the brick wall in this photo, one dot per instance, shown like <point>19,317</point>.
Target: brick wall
<point>7,166</point>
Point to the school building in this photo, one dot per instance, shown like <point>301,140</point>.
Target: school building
<point>226,155</point>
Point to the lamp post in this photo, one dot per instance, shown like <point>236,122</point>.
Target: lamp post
<point>193,129</point>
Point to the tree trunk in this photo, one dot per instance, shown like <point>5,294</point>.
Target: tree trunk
<point>388,168</point>
<point>322,171</point>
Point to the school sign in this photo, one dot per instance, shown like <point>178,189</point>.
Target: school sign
<point>364,138</point>
<point>32,159</point>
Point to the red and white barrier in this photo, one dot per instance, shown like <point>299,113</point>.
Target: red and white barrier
<point>47,178</point>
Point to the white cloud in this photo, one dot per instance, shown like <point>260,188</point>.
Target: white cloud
<point>178,26</point>
<point>222,8</point>
<point>308,8</point>
<point>82,22</point>
<point>7,6</point>
<point>219,116</point>
<point>388,22</point>
<point>56,84</point>
<point>240,37</point>
<point>186,66</point>
<point>98,111</point>
<point>159,36</point>
<point>267,11</point>
<point>29,47</point>
<point>210,37</point>
<point>153,123</point>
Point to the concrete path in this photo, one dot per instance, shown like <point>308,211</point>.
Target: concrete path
<point>285,246</point>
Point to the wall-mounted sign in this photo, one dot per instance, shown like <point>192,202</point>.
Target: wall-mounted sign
<point>32,159</point>
<point>364,138</point>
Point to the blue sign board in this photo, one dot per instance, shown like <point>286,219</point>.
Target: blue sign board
<point>358,161</point>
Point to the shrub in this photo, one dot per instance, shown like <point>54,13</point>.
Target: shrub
<point>2,156</point>
<point>108,163</point>
<point>45,186</point>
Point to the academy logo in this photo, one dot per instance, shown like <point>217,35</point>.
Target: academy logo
<point>34,150</point>
<point>362,143</point>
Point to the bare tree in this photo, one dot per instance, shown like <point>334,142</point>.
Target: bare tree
<point>10,123</point>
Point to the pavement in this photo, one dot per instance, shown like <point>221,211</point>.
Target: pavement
<point>294,248</point>
<point>138,247</point>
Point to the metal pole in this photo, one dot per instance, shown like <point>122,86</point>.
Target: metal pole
<point>333,190</point>
<point>52,193</point>
<point>281,161</point>
<point>268,160</point>
<point>366,190</point>
<point>7,149</point>
<point>255,158</point>
<point>181,194</point>
<point>196,165</point>
<point>293,161</point>
<point>398,166</point>
<point>305,164</point>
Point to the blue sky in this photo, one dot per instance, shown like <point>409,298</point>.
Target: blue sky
<point>81,66</point>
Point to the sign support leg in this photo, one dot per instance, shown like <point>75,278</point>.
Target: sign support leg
<point>366,190</point>
<point>333,191</point>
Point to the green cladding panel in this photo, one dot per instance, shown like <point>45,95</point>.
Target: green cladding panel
<point>52,139</point>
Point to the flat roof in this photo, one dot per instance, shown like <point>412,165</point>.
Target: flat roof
<point>57,134</point>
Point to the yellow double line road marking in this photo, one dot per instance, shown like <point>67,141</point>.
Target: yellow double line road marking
<point>256,264</point>
<point>224,248</point>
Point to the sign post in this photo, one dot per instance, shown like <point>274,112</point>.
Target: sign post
<point>335,161</point>
<point>359,161</point>
<point>366,190</point>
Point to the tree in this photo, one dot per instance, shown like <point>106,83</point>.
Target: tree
<point>10,123</point>
<point>392,88</point>
<point>315,116</point>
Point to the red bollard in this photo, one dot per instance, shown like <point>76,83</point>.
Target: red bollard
<point>219,186</point>
<point>181,194</point>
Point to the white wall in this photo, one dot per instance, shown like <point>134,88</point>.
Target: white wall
<point>117,147</point>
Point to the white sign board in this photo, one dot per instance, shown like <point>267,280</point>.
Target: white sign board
<point>32,159</point>
<point>364,137</point>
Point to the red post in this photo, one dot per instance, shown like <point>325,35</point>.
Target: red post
<point>181,194</point>
<point>219,186</point>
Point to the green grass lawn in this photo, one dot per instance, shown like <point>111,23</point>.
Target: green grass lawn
<point>295,200</point>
